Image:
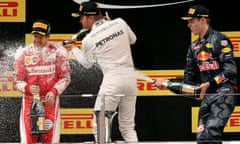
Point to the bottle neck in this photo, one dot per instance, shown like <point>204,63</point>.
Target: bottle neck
<point>186,88</point>
<point>36,96</point>
<point>165,83</point>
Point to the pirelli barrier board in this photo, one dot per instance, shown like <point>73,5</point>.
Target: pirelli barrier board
<point>79,121</point>
<point>12,10</point>
<point>233,124</point>
<point>76,121</point>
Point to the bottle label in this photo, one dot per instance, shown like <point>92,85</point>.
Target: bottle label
<point>36,96</point>
<point>188,89</point>
<point>40,123</point>
<point>191,90</point>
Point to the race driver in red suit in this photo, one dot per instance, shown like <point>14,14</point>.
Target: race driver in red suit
<point>44,63</point>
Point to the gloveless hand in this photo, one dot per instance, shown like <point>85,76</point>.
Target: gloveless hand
<point>34,89</point>
<point>203,87</point>
<point>159,82</point>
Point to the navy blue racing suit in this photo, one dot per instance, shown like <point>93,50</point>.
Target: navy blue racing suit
<point>212,58</point>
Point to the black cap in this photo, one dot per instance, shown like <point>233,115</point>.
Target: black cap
<point>196,11</point>
<point>41,27</point>
<point>87,8</point>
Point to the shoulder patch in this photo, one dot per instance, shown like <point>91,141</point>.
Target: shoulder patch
<point>226,50</point>
<point>224,42</point>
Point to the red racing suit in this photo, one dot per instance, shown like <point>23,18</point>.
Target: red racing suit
<point>51,70</point>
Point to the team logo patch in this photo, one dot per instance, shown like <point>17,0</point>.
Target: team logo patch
<point>224,43</point>
<point>219,79</point>
<point>45,56</point>
<point>203,56</point>
<point>31,60</point>
<point>226,50</point>
<point>209,45</point>
<point>34,59</point>
<point>51,57</point>
<point>28,60</point>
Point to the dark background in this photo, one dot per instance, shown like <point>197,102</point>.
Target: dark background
<point>163,39</point>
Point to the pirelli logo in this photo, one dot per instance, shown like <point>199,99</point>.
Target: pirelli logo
<point>12,10</point>
<point>7,86</point>
<point>146,88</point>
<point>233,124</point>
<point>77,121</point>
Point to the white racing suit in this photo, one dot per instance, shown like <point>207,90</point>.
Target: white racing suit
<point>51,70</point>
<point>109,45</point>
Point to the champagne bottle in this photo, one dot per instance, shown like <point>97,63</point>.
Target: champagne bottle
<point>77,37</point>
<point>37,115</point>
<point>177,86</point>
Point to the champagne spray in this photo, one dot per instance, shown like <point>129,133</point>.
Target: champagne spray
<point>77,37</point>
